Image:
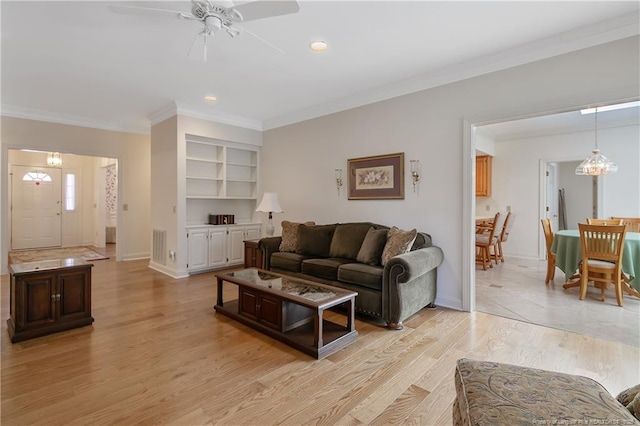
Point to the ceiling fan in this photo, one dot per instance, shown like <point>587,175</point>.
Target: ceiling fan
<point>215,16</point>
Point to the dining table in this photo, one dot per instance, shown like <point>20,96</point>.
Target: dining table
<point>568,250</point>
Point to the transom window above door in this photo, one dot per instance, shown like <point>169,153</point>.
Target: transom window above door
<point>36,176</point>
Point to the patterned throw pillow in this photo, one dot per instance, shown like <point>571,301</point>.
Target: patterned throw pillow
<point>290,235</point>
<point>398,242</point>
<point>630,398</point>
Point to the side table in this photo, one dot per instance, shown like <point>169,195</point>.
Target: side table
<point>252,254</point>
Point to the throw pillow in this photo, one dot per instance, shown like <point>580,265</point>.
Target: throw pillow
<point>630,398</point>
<point>347,240</point>
<point>372,247</point>
<point>315,240</point>
<point>398,242</point>
<point>290,235</point>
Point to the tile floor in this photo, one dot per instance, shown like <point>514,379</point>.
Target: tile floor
<point>515,289</point>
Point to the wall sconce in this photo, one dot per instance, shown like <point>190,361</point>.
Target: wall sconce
<point>415,172</point>
<point>54,159</point>
<point>338,180</point>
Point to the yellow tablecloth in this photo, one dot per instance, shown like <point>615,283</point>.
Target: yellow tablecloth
<point>566,246</point>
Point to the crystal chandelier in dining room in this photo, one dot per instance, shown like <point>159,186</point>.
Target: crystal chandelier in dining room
<point>596,164</point>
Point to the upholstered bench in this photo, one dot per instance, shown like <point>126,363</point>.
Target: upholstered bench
<point>490,393</point>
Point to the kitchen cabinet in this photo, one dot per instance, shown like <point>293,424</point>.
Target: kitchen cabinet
<point>483,176</point>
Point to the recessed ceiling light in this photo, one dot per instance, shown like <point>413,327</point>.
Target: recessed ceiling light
<point>210,98</point>
<point>318,45</point>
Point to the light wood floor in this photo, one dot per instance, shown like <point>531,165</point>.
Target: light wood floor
<point>158,354</point>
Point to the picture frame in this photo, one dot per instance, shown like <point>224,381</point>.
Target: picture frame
<point>380,177</point>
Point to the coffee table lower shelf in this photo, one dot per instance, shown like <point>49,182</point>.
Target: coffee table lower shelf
<point>334,336</point>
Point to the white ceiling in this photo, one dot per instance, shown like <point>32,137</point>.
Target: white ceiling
<point>79,62</point>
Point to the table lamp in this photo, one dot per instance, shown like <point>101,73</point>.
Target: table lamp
<point>269,204</point>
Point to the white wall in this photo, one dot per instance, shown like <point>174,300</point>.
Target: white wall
<point>298,160</point>
<point>132,152</point>
<point>516,178</point>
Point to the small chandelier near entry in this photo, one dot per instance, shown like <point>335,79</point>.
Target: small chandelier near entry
<point>596,164</point>
<point>54,159</point>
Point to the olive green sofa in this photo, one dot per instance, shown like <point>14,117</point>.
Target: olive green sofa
<point>329,254</point>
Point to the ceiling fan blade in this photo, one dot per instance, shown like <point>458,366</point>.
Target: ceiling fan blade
<point>260,38</point>
<point>147,11</point>
<point>265,9</point>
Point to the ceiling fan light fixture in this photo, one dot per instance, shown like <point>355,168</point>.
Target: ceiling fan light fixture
<point>319,46</point>
<point>213,23</point>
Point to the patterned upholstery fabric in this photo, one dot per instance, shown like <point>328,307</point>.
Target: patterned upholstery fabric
<point>289,241</point>
<point>630,398</point>
<point>398,242</point>
<point>490,393</point>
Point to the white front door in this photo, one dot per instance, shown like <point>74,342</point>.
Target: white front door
<point>35,207</point>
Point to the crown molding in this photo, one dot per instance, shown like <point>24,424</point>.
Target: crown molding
<point>181,108</point>
<point>624,26</point>
<point>72,120</point>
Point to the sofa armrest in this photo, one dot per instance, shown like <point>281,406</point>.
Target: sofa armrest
<point>408,266</point>
<point>410,283</point>
<point>269,245</point>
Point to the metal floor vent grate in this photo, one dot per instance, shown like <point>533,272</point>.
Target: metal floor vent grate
<point>159,246</point>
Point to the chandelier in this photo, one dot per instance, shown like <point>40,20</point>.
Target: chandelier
<point>596,164</point>
<point>54,159</point>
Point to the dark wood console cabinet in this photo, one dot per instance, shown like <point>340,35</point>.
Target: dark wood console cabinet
<point>252,254</point>
<point>48,296</point>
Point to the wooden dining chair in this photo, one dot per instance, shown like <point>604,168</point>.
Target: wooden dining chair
<point>487,240</point>
<point>498,254</point>
<point>604,222</point>
<point>602,247</point>
<point>633,223</point>
<point>551,257</point>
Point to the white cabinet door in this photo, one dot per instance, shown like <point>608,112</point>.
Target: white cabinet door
<point>252,233</point>
<point>197,248</point>
<point>218,247</point>
<point>236,245</point>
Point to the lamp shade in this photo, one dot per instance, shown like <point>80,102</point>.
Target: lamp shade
<point>269,203</point>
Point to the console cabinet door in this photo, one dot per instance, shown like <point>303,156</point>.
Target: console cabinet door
<point>74,302</point>
<point>35,301</point>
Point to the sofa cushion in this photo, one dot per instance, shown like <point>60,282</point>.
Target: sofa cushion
<point>371,250</point>
<point>315,240</point>
<point>398,242</point>
<point>358,273</point>
<point>347,239</point>
<point>290,235</point>
<point>323,268</point>
<point>287,261</point>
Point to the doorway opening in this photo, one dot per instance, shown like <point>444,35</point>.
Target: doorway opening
<point>69,204</point>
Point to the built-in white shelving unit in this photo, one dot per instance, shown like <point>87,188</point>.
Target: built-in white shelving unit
<point>221,178</point>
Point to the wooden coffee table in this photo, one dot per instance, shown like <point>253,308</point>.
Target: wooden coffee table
<point>289,309</point>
